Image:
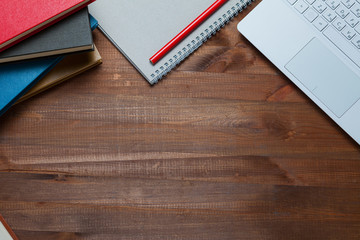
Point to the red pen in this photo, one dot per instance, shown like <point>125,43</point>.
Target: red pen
<point>184,33</point>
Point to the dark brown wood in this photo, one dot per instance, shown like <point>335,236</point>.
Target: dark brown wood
<point>225,147</point>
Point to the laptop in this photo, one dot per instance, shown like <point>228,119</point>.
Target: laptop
<point>316,44</point>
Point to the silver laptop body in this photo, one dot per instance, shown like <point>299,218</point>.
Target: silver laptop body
<point>316,44</point>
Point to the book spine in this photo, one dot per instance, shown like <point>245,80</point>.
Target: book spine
<point>194,44</point>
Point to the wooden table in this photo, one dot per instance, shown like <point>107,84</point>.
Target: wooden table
<point>225,147</point>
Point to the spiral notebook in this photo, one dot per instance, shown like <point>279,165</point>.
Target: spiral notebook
<point>139,28</point>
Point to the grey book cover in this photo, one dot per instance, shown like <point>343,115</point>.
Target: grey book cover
<point>72,34</point>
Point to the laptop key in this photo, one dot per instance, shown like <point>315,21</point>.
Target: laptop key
<point>301,6</point>
<point>356,41</point>
<point>342,11</point>
<point>292,2</point>
<point>329,15</point>
<point>320,23</point>
<point>339,24</point>
<point>320,6</point>
<point>357,28</point>
<point>348,3</point>
<point>311,15</point>
<point>356,9</point>
<point>352,20</point>
<point>348,32</point>
<point>333,4</point>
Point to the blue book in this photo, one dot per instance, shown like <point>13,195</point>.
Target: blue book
<point>19,77</point>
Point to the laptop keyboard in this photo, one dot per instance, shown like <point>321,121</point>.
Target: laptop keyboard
<point>337,20</point>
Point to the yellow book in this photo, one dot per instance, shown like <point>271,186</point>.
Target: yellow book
<point>69,67</point>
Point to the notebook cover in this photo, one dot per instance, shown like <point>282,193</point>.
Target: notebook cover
<point>17,78</point>
<point>22,18</point>
<point>5,231</point>
<point>72,34</point>
<point>139,38</point>
<point>69,67</point>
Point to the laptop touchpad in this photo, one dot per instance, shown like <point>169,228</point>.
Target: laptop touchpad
<point>326,76</point>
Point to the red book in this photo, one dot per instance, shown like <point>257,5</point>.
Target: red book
<point>20,19</point>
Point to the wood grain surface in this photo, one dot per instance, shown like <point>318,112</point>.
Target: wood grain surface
<point>225,147</point>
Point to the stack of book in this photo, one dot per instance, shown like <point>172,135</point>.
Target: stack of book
<point>44,43</point>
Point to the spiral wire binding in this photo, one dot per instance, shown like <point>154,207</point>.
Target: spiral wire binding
<point>199,40</point>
